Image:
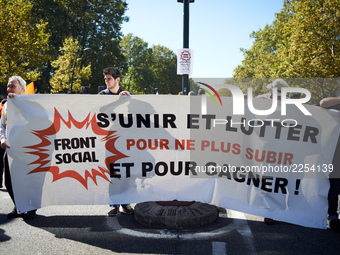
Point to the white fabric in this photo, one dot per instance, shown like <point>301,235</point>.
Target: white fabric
<point>64,146</point>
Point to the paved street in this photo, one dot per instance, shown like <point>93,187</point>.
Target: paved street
<point>87,230</point>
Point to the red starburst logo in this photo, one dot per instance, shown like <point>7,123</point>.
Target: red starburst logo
<point>185,55</point>
<point>49,143</point>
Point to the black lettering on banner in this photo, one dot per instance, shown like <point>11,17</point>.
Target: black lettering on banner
<point>146,167</point>
<point>74,143</point>
<point>253,178</point>
<point>115,170</point>
<point>129,120</point>
<point>161,168</point>
<point>228,127</point>
<point>250,128</point>
<point>238,176</point>
<point>59,159</point>
<point>113,117</point>
<point>310,132</point>
<point>191,121</point>
<point>280,183</point>
<point>211,168</point>
<point>76,157</point>
<point>174,168</point>
<point>169,119</point>
<point>225,172</point>
<point>128,168</point>
<point>266,183</point>
<point>138,120</point>
<point>190,167</point>
<point>143,119</point>
<point>102,120</point>
<point>209,118</point>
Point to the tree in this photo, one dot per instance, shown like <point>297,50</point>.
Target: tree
<point>94,23</point>
<point>224,92</point>
<point>149,69</point>
<point>23,45</point>
<point>260,60</point>
<point>139,76</point>
<point>61,80</point>
<point>164,66</point>
<point>302,42</point>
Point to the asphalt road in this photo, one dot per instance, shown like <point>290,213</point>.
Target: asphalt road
<point>87,230</point>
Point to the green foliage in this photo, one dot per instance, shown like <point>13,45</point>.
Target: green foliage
<point>61,80</point>
<point>94,23</point>
<point>33,31</point>
<point>302,42</point>
<point>23,45</point>
<point>224,92</point>
<point>139,77</point>
<point>164,66</point>
<point>193,86</point>
<point>149,69</point>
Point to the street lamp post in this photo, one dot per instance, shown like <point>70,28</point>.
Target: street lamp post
<point>185,78</point>
<point>75,62</point>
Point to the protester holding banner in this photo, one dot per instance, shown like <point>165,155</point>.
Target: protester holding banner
<point>16,85</point>
<point>334,177</point>
<point>2,151</point>
<point>112,78</point>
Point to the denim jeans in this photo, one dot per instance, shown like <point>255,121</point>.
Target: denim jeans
<point>117,205</point>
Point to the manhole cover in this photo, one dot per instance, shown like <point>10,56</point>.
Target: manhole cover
<point>175,214</point>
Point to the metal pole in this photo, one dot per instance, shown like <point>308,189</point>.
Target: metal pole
<point>185,78</point>
<point>74,67</point>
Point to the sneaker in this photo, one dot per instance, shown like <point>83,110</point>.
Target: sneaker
<point>127,209</point>
<point>13,214</point>
<point>30,215</point>
<point>334,225</point>
<point>268,221</point>
<point>113,211</point>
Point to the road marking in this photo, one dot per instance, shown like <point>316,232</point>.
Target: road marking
<point>112,222</point>
<point>244,229</point>
<point>219,248</point>
<point>239,224</point>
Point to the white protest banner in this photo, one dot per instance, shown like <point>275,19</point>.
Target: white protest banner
<point>93,149</point>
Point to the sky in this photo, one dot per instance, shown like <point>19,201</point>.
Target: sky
<point>218,29</point>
